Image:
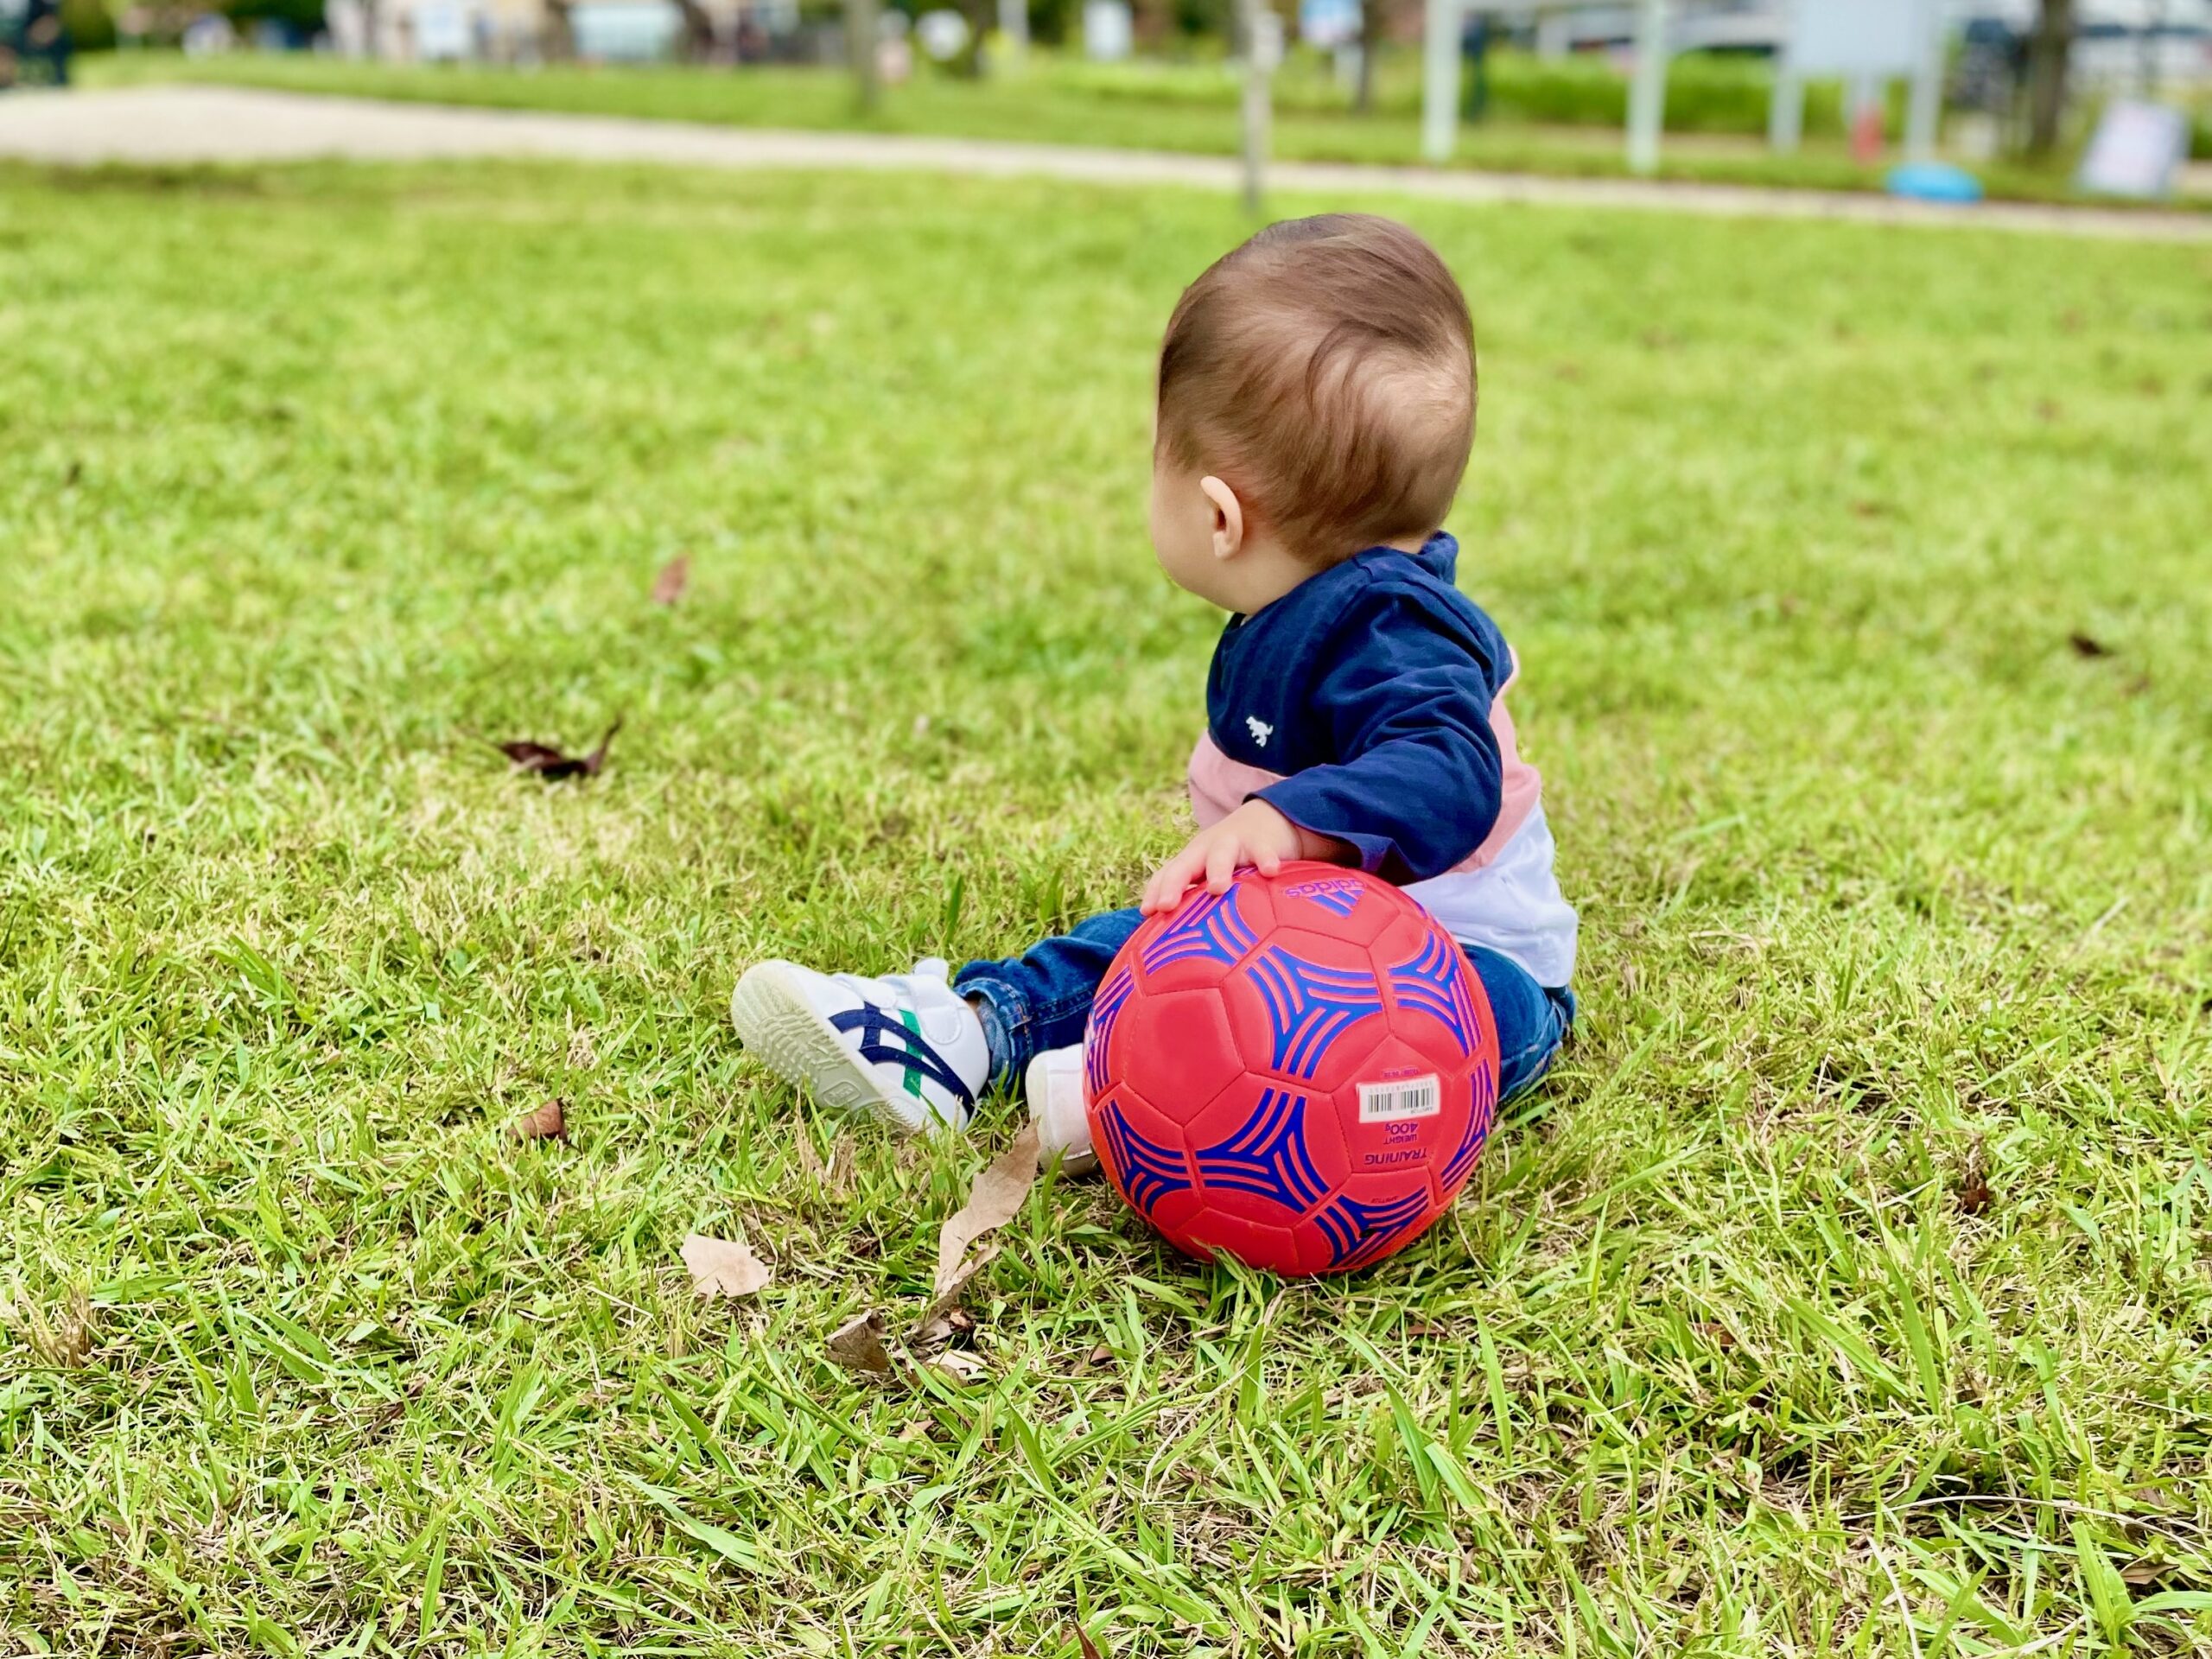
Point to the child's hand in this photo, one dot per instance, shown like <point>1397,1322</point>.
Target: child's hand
<point>1254,835</point>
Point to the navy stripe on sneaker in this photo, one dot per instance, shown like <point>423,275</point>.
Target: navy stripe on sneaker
<point>913,1053</point>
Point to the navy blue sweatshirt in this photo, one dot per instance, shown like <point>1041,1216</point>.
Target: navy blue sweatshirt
<point>1360,705</point>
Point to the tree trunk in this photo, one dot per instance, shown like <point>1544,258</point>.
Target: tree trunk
<point>1371,19</point>
<point>697,45</point>
<point>560,42</point>
<point>2049,51</point>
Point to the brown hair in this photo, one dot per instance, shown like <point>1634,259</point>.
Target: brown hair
<point>1326,370</point>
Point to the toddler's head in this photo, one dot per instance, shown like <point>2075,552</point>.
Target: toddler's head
<point>1317,398</point>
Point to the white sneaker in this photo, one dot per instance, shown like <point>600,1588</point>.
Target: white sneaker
<point>907,1048</point>
<point>1054,1085</point>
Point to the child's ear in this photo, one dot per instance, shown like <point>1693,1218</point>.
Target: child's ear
<point>1228,518</point>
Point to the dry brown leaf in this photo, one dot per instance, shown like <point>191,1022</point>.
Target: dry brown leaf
<point>674,576</point>
<point>960,1365</point>
<point>944,1316</point>
<point>2086,645</point>
<point>1102,1354</point>
<point>549,764</point>
<point>998,1194</point>
<point>1974,1191</point>
<point>917,1430</point>
<point>2143,1572</point>
<point>1090,1648</point>
<point>721,1266</point>
<point>549,1122</point>
<point>858,1345</point>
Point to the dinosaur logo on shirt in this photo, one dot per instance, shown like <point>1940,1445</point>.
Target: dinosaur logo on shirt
<point>1259,729</point>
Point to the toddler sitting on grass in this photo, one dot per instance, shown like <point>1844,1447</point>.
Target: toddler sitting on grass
<point>1316,408</point>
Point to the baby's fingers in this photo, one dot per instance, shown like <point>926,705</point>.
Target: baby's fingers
<point>1168,882</point>
<point>1222,860</point>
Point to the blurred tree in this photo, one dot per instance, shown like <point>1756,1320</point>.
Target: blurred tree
<point>2048,50</point>
<point>91,25</point>
<point>302,19</point>
<point>695,44</point>
<point>1372,19</point>
<point>560,41</point>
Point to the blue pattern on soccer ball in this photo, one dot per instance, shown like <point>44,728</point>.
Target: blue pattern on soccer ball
<point>1267,1156</point>
<point>1105,1011</point>
<point>1208,926</point>
<point>1340,895</point>
<point>1358,1233</point>
<point>1310,1007</point>
<point>1434,982</point>
<point>1484,1083</point>
<point>1149,1172</point>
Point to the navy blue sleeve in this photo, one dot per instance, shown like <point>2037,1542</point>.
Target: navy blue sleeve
<point>1406,702</point>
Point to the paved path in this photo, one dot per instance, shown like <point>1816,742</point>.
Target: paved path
<point>220,124</point>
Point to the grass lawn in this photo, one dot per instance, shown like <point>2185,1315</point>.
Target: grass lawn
<point>1142,106</point>
<point>1844,1292</point>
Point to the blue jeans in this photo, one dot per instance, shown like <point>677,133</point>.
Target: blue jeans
<point>1040,1001</point>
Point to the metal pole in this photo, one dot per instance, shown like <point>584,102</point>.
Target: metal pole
<point>1924,111</point>
<point>1263,31</point>
<point>1439,80</point>
<point>1785,113</point>
<point>862,32</point>
<point>1647,94</point>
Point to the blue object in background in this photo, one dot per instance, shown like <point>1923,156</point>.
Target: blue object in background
<point>1934,181</point>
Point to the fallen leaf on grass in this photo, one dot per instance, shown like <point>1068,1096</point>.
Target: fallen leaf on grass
<point>1102,1354</point>
<point>1974,1185</point>
<point>549,764</point>
<point>950,1291</point>
<point>960,1365</point>
<point>674,576</point>
<point>2086,645</point>
<point>2142,1572</point>
<point>999,1192</point>
<point>549,1122</point>
<point>1090,1648</point>
<point>858,1344</point>
<point>721,1266</point>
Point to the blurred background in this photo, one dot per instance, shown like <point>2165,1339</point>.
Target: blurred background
<point>2031,99</point>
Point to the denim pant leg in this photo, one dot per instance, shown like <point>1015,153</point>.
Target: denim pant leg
<point>1532,1019</point>
<point>1041,1000</point>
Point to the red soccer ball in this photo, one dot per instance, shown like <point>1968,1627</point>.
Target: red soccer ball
<point>1299,1072</point>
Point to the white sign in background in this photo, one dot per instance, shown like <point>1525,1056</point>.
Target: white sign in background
<point>1854,39</point>
<point>2137,149</point>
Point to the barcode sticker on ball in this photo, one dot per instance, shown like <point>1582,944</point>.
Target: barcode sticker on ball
<point>1392,1103</point>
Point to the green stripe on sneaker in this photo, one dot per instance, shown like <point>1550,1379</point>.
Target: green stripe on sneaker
<point>908,1019</point>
